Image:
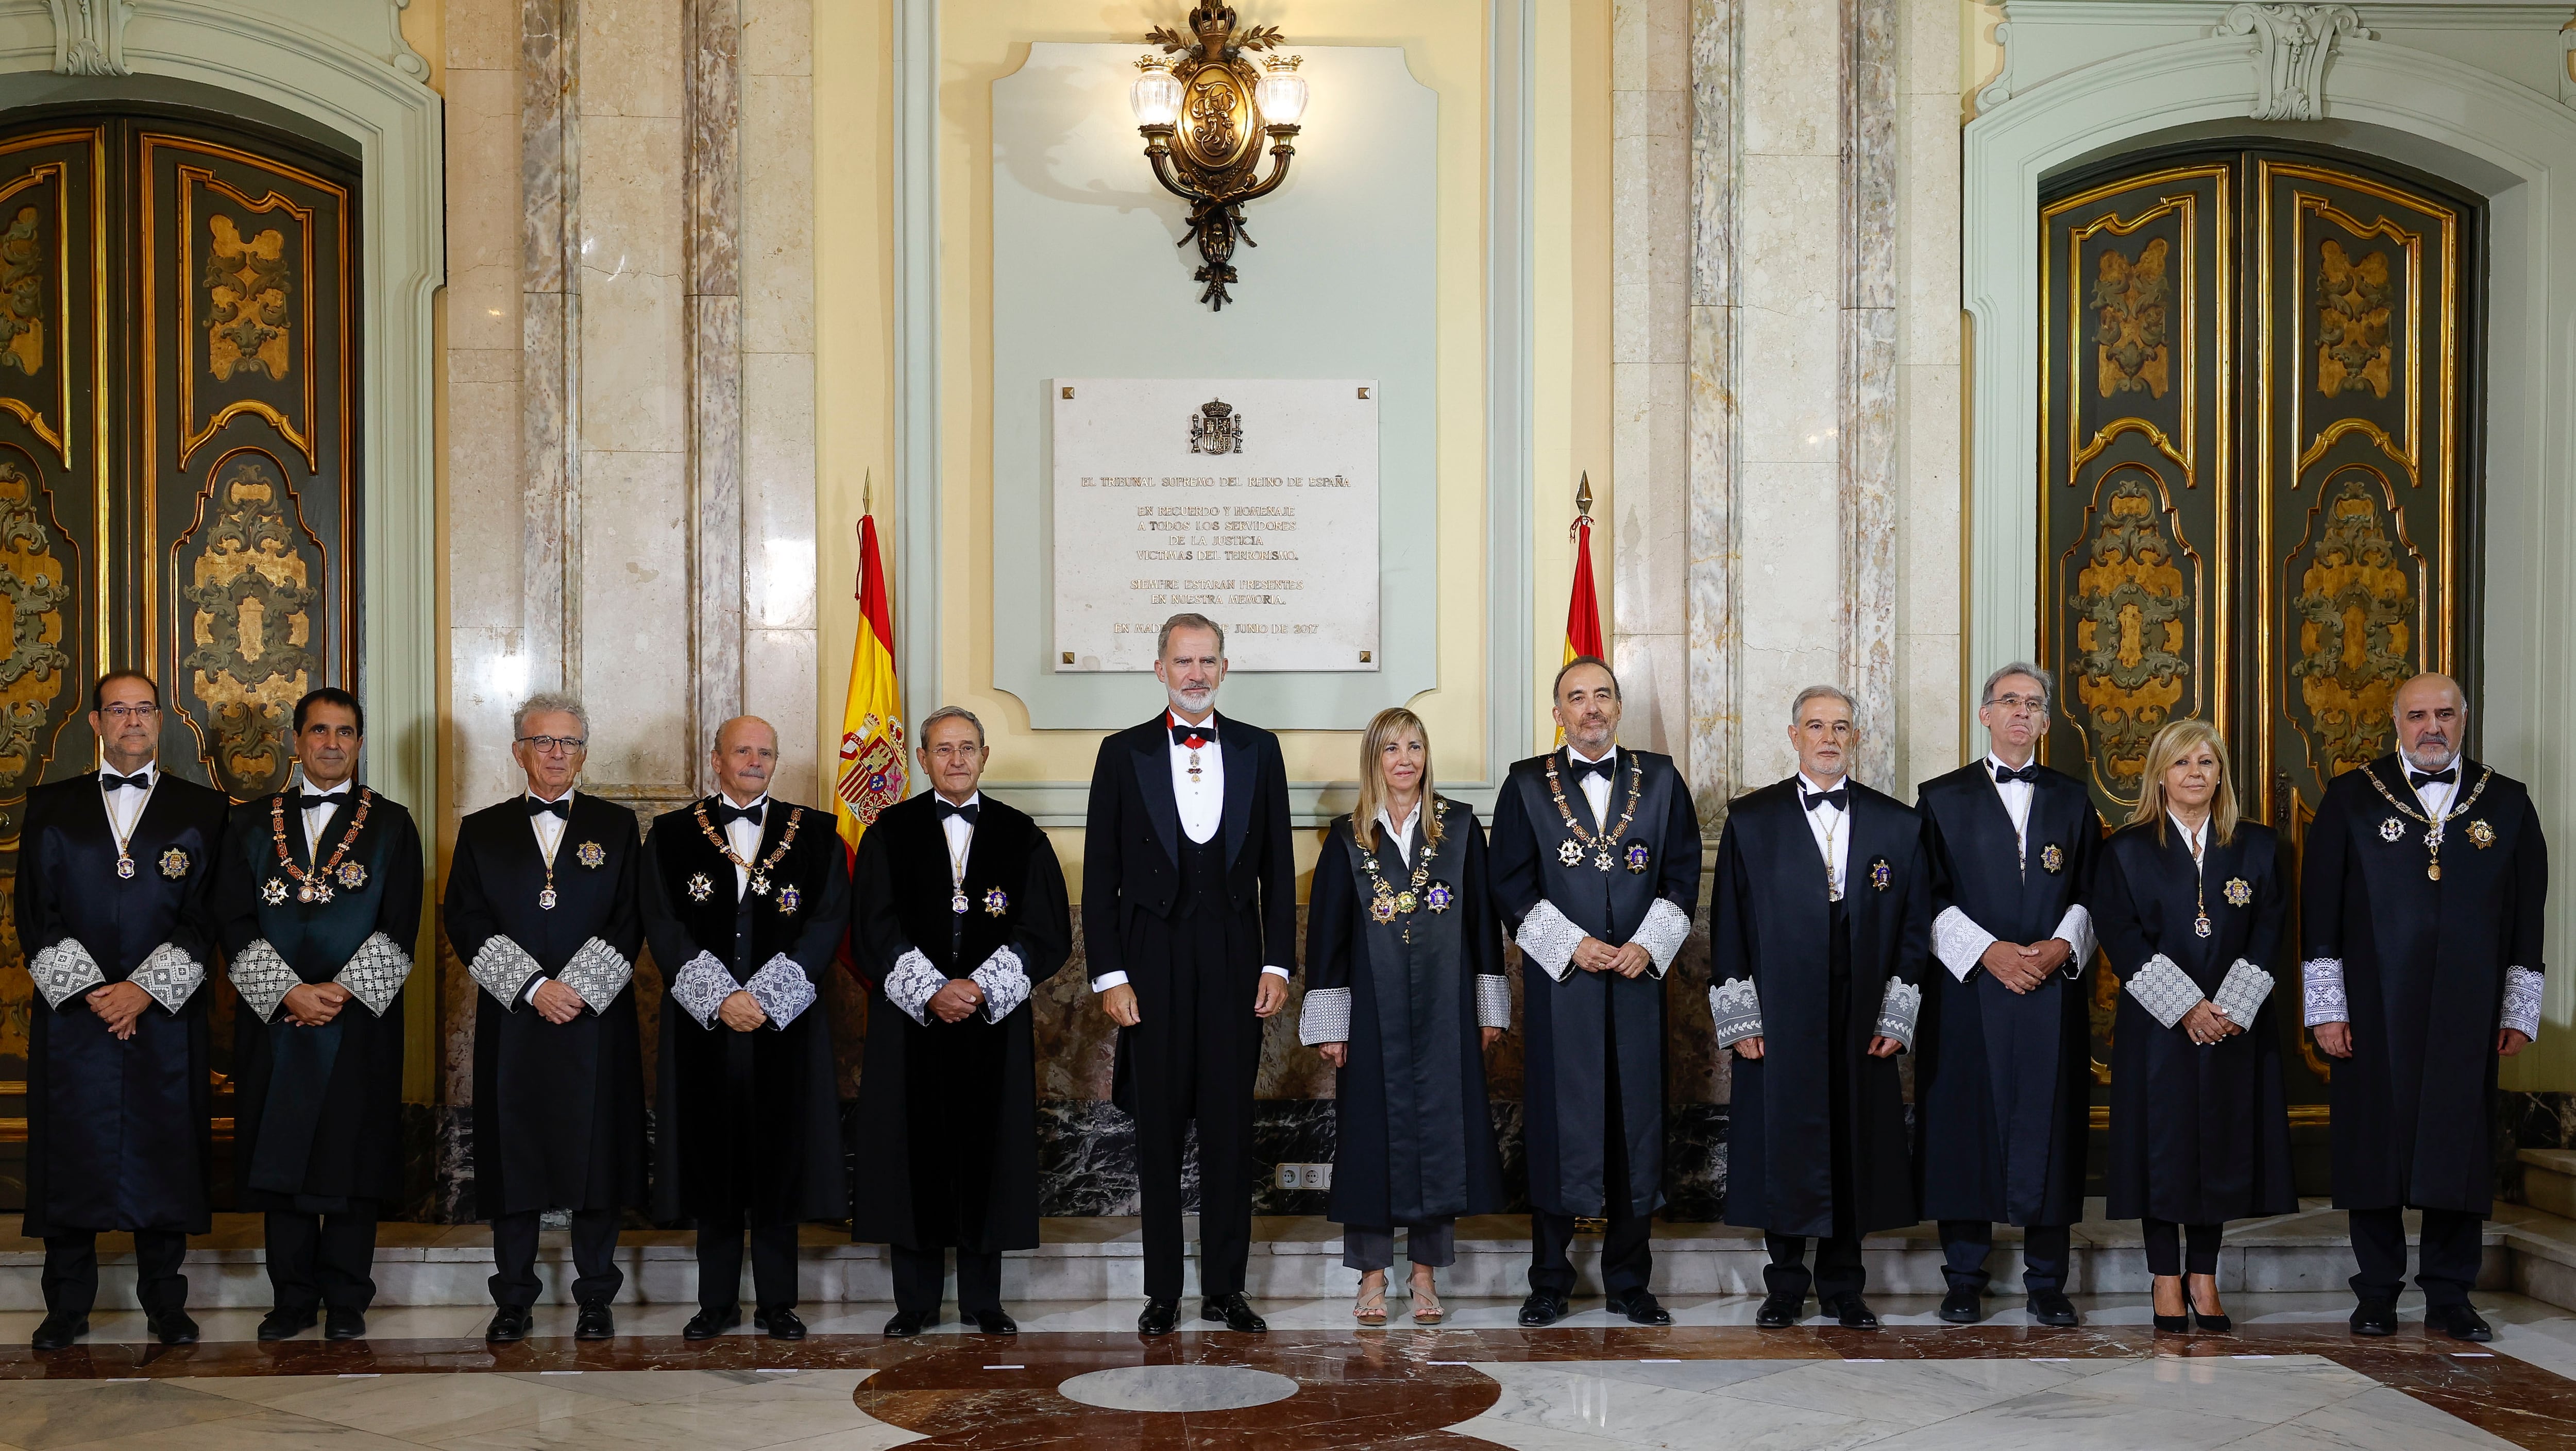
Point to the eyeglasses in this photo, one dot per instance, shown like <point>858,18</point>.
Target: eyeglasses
<point>548,745</point>
<point>126,714</point>
<point>2020,704</point>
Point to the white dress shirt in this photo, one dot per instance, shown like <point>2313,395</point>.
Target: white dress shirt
<point>1202,801</point>
<point>961,840</point>
<point>1831,826</point>
<point>125,804</point>
<point>2435,796</point>
<point>1960,942</point>
<point>743,835</point>
<point>1396,834</point>
<point>2194,839</point>
<point>2016,798</point>
<point>317,818</point>
<point>550,830</point>
<point>1596,787</point>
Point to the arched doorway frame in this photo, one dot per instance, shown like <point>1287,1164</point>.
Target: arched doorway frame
<point>2506,141</point>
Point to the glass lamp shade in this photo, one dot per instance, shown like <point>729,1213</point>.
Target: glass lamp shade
<point>1282,94</point>
<point>1155,96</point>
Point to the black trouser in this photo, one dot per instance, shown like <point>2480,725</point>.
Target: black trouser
<point>1838,1265</point>
<point>2196,1245</point>
<point>1838,1269</point>
<point>594,1256</point>
<point>2453,1245</point>
<point>1965,1244</point>
<point>71,1271</point>
<point>773,1262</point>
<point>323,1259</point>
<point>1204,1079</point>
<point>1627,1250</point>
<point>920,1277</point>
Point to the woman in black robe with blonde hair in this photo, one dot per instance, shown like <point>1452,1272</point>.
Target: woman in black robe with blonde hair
<point>2189,903</point>
<point>1404,992</point>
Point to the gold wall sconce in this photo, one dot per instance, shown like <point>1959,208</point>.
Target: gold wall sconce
<point>1202,117</point>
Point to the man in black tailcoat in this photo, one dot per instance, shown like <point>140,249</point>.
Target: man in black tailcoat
<point>1595,867</point>
<point>1189,918</point>
<point>541,906</point>
<point>2421,905</point>
<point>2003,1061</point>
<point>957,911</point>
<point>113,874</point>
<point>1818,930</point>
<point>318,893</point>
<point>745,901</point>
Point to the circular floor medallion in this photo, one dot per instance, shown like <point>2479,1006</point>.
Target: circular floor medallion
<point>1178,1388</point>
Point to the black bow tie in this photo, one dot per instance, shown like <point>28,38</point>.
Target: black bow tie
<point>2448,775</point>
<point>1607,768</point>
<point>726,813</point>
<point>1838,798</point>
<point>2029,773</point>
<point>1194,735</point>
<point>316,803</point>
<point>561,807</point>
<point>140,780</point>
<point>942,809</point>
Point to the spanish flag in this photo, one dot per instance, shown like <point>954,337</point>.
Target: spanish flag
<point>1583,611</point>
<point>873,775</point>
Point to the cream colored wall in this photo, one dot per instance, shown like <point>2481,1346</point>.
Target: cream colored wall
<point>1445,45</point>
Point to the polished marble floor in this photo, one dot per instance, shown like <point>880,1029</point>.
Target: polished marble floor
<point>1078,1376</point>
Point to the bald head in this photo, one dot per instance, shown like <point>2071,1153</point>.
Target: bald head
<point>2432,721</point>
<point>745,755</point>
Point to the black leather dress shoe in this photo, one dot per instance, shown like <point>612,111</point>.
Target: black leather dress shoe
<point>1963,1307</point>
<point>285,1324</point>
<point>509,1326</point>
<point>1158,1317</point>
<point>781,1324</point>
<point>1779,1312</point>
<point>1235,1311</point>
<point>342,1323</point>
<point>1853,1313</point>
<point>1641,1307</point>
<point>708,1324</point>
<point>1541,1309</point>
<point>2460,1322</point>
<point>994,1322</point>
<point>2375,1317</point>
<point>2049,1307</point>
<point>58,1332</point>
<point>596,1322</point>
<point>904,1325</point>
<point>174,1328</point>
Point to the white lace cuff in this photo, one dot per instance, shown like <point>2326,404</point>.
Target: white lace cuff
<point>2522,1001</point>
<point>1493,1000</point>
<point>1005,983</point>
<point>598,972</point>
<point>2076,927</point>
<point>1737,1010</point>
<point>2321,987</point>
<point>1549,940</point>
<point>782,989</point>
<point>2163,989</point>
<point>2242,992</point>
<point>170,975</point>
<point>1326,1018</point>
<point>1959,942</point>
<point>503,967</point>
<point>1662,934</point>
<point>64,971</point>
<point>1897,1009</point>
<point>911,983</point>
<point>701,987</point>
<point>262,977</point>
<point>375,976</point>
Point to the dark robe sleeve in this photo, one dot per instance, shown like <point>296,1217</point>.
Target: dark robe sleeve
<point>236,888</point>
<point>468,915</point>
<point>1730,952</point>
<point>1514,869</point>
<point>877,938</point>
<point>1278,864</point>
<point>1044,938</point>
<point>624,929</point>
<point>1483,930</point>
<point>1332,903</point>
<point>1914,922</point>
<point>2090,848</point>
<point>1936,860</point>
<point>2321,879</point>
<point>669,941</point>
<point>39,902</point>
<point>192,931</point>
<point>398,910</point>
<point>820,940</point>
<point>2117,922</point>
<point>2263,946</point>
<point>1678,883</point>
<point>1103,838</point>
<point>2530,893</point>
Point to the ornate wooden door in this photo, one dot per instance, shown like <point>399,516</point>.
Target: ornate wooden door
<point>2254,493</point>
<point>177,398</point>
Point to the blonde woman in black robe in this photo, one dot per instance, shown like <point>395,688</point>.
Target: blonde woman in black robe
<point>1404,992</point>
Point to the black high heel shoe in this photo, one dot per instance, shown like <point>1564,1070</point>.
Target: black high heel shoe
<point>2174,1324</point>
<point>2213,1324</point>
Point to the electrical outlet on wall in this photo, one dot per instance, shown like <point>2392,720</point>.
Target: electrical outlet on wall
<point>1305,1176</point>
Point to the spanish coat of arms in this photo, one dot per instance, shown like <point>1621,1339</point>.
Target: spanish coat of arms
<point>1215,429</point>
<point>872,774</point>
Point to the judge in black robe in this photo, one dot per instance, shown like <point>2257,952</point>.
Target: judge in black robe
<point>1404,992</point>
<point>1595,872</point>
<point>1189,921</point>
<point>2190,902</point>
<point>541,906</point>
<point>2415,984</point>
<point>318,894</point>
<point>2002,1057</point>
<point>957,910</point>
<point>746,899</point>
<point>1817,958</point>
<point>113,874</point>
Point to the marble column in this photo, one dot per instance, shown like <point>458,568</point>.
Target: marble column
<point>1930,351</point>
<point>1867,387</point>
<point>711,40</point>
<point>1714,635</point>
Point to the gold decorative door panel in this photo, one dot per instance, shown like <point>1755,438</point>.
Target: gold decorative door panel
<point>2254,461</point>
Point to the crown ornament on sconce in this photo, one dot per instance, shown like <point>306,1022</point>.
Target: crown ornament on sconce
<point>1202,107</point>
